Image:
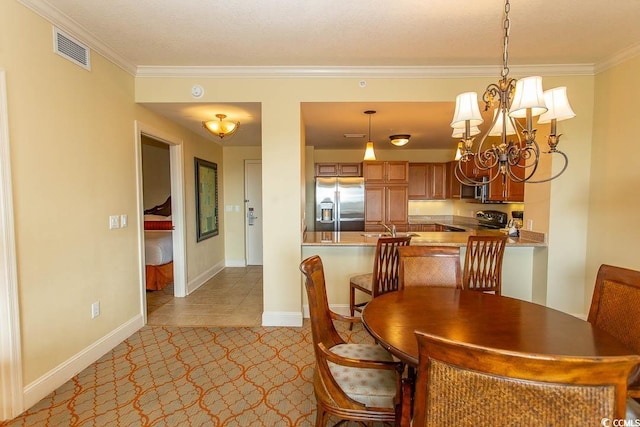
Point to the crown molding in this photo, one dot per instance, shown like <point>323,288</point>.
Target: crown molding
<point>618,58</point>
<point>51,14</point>
<point>360,72</point>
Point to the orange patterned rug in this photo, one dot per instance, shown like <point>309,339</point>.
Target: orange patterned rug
<point>178,376</point>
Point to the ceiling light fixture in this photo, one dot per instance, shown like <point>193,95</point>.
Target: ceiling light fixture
<point>221,127</point>
<point>515,160</point>
<point>399,140</point>
<point>369,154</point>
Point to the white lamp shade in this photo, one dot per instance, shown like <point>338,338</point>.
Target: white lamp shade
<point>528,95</point>
<point>496,130</point>
<point>369,154</point>
<point>557,104</point>
<point>459,132</point>
<point>466,109</point>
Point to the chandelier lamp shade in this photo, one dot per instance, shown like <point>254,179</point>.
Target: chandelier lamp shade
<point>221,127</point>
<point>516,154</point>
<point>399,140</point>
<point>369,153</point>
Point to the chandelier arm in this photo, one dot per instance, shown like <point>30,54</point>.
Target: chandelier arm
<point>564,167</point>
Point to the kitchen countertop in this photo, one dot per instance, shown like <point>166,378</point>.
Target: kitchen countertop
<point>361,238</point>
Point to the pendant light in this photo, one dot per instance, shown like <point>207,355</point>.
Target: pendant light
<point>369,154</point>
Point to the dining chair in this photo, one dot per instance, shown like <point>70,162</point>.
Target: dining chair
<point>358,382</point>
<point>383,278</point>
<point>615,308</point>
<point>465,384</point>
<point>429,266</point>
<point>482,270</point>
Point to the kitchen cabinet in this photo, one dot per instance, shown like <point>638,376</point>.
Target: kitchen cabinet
<point>395,172</point>
<point>419,228</point>
<point>509,191</point>
<point>427,181</point>
<point>386,204</point>
<point>338,169</point>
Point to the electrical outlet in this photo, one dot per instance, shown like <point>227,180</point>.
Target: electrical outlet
<point>530,224</point>
<point>114,222</point>
<point>95,309</point>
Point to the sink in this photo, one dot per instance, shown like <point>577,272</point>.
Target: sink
<point>389,234</point>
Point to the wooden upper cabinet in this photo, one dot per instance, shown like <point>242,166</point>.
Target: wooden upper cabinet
<point>338,169</point>
<point>396,172</point>
<point>427,181</point>
<point>509,191</point>
<point>386,204</point>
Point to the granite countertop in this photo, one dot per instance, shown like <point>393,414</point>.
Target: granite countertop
<point>361,238</point>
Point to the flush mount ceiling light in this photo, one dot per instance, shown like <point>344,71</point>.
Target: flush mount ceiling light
<point>221,127</point>
<point>369,154</point>
<point>399,140</point>
<point>514,159</point>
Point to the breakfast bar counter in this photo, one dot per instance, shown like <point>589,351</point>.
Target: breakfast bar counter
<point>345,254</point>
<point>431,238</point>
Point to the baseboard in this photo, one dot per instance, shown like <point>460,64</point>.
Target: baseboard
<point>235,263</point>
<point>204,277</point>
<point>282,318</point>
<point>40,388</point>
<point>336,308</point>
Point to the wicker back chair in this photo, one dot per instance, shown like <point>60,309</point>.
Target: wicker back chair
<point>359,382</point>
<point>384,277</point>
<point>429,266</point>
<point>615,308</point>
<point>482,269</point>
<point>466,385</point>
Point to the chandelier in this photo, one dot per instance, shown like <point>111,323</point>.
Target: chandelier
<point>221,127</point>
<point>514,158</point>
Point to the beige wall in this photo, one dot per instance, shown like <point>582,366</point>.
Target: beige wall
<point>155,172</point>
<point>567,197</point>
<point>615,172</point>
<point>73,164</point>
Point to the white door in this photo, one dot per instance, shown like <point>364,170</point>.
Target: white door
<point>253,211</point>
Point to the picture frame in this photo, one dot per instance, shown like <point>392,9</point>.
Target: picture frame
<point>206,174</point>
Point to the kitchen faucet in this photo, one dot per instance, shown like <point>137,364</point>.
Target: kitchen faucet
<point>391,230</point>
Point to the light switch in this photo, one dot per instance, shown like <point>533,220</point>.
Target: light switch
<point>228,208</point>
<point>237,208</point>
<point>114,222</point>
<point>124,220</point>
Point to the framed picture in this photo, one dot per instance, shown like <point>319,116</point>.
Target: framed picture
<point>206,199</point>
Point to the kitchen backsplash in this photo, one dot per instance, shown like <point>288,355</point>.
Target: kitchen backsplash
<point>458,207</point>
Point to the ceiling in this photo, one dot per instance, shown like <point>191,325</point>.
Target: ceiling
<point>343,34</point>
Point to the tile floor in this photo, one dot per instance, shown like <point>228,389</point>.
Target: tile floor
<point>232,297</point>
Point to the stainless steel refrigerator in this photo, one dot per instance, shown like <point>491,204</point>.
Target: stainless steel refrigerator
<point>339,204</point>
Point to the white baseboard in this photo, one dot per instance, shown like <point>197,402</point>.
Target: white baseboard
<point>40,388</point>
<point>235,263</point>
<point>336,308</point>
<point>282,318</point>
<point>203,277</point>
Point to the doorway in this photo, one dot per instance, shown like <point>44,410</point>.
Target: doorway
<point>253,211</point>
<point>177,209</point>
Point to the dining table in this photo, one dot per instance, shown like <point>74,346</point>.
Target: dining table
<point>483,319</point>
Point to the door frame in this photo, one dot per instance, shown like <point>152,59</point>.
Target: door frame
<point>176,160</point>
<point>11,381</point>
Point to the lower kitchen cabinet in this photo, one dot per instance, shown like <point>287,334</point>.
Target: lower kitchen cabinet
<point>386,205</point>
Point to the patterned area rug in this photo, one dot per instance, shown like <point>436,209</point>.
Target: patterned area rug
<point>177,376</point>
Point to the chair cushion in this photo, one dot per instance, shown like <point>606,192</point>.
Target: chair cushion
<point>362,280</point>
<point>371,387</point>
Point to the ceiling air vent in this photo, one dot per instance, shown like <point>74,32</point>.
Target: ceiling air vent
<point>71,49</point>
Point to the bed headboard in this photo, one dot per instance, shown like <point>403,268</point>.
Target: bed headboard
<point>163,209</point>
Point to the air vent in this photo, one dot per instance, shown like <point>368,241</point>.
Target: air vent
<point>71,49</point>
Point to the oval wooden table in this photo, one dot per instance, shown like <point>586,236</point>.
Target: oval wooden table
<point>482,319</point>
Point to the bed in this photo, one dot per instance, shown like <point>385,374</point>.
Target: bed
<point>158,249</point>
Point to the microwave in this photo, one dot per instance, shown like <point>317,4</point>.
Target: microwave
<point>482,190</point>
